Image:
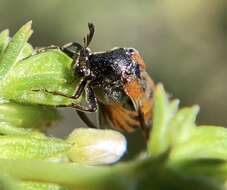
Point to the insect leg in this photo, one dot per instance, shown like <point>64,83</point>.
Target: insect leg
<point>92,102</point>
<point>85,119</point>
<point>43,49</point>
<point>81,88</point>
<point>77,94</point>
<point>71,44</point>
<point>71,49</point>
<point>80,110</point>
<point>91,98</point>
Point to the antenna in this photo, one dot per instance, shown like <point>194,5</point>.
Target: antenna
<point>88,38</point>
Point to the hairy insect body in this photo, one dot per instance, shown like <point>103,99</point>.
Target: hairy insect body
<point>115,82</point>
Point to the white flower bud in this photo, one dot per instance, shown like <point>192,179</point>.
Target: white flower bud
<point>96,146</point>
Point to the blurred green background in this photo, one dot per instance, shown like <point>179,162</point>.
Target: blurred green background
<point>184,43</point>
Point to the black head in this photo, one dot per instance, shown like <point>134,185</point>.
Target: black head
<point>80,53</point>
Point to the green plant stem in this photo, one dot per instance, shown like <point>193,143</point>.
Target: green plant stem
<point>141,174</point>
<point>69,175</point>
<point>7,183</point>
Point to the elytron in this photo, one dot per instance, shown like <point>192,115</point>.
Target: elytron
<point>115,82</point>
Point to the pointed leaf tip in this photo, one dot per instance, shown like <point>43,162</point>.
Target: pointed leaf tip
<point>5,32</point>
<point>14,49</point>
<point>28,24</point>
<point>196,109</point>
<point>27,28</point>
<point>4,40</point>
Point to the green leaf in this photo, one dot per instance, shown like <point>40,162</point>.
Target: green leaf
<point>8,183</point>
<point>30,147</point>
<point>182,125</point>
<point>20,118</point>
<point>162,115</point>
<point>50,70</point>
<point>170,127</point>
<point>26,78</point>
<point>26,52</point>
<point>4,39</point>
<point>157,174</point>
<point>212,169</point>
<point>40,186</point>
<point>14,49</point>
<point>7,128</point>
<point>205,142</point>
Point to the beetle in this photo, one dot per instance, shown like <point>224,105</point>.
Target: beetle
<point>115,82</point>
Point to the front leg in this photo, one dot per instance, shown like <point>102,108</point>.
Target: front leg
<point>72,49</point>
<point>43,49</point>
<point>83,116</point>
<point>92,106</point>
<point>75,96</point>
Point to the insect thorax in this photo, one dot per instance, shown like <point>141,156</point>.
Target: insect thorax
<point>111,70</point>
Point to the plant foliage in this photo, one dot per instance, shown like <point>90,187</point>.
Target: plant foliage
<point>179,155</point>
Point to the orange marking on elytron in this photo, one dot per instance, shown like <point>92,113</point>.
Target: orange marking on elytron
<point>134,90</point>
<point>138,59</point>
